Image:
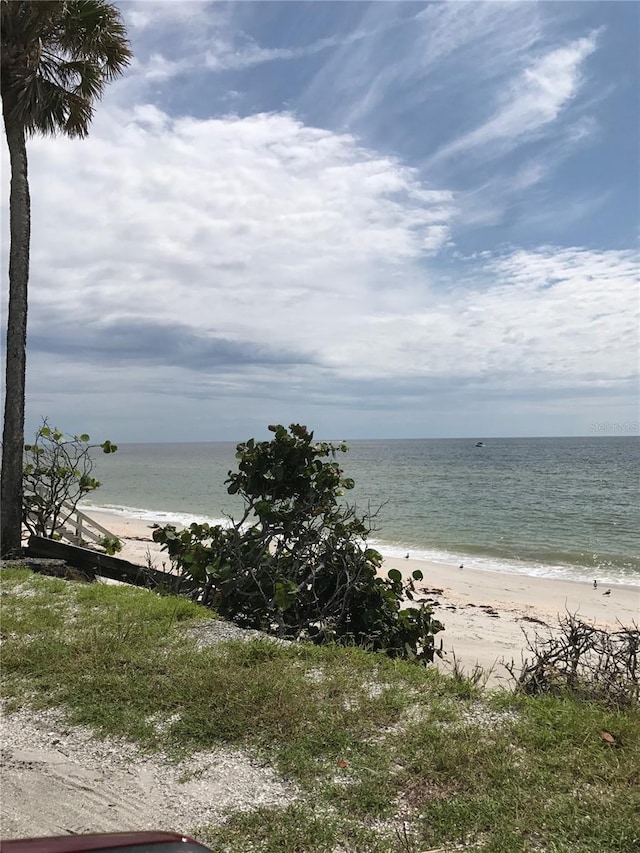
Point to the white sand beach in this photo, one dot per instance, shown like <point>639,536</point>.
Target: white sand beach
<point>485,613</point>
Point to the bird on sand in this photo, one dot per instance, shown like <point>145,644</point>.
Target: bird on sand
<point>595,584</point>
<point>608,592</point>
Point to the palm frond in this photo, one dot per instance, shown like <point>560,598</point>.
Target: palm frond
<point>57,57</point>
<point>81,76</point>
<point>94,30</point>
<point>46,108</point>
<point>80,113</point>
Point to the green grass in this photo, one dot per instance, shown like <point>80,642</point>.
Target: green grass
<point>388,756</point>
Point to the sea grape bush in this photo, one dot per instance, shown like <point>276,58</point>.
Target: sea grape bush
<point>296,564</point>
<point>56,475</point>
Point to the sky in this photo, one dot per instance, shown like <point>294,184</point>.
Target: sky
<point>382,220</point>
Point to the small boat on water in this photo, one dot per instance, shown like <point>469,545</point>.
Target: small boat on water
<point>480,444</point>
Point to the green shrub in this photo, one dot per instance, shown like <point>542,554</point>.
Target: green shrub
<point>296,564</point>
<point>56,475</point>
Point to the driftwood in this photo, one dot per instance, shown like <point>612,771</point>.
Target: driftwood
<point>589,662</point>
<point>93,563</point>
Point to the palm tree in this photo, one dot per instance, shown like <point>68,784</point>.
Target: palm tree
<point>56,59</point>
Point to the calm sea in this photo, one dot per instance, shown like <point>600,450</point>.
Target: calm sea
<point>558,507</point>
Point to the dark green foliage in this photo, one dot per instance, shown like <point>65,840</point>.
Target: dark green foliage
<point>57,474</point>
<point>57,58</point>
<point>296,564</point>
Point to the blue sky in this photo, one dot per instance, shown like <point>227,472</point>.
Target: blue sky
<point>381,219</point>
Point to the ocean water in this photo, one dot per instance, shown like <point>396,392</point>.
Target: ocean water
<point>556,507</point>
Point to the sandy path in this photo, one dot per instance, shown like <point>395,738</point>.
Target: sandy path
<point>61,781</point>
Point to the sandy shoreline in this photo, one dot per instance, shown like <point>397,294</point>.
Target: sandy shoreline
<point>465,600</point>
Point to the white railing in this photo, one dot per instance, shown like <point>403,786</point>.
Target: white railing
<point>78,528</point>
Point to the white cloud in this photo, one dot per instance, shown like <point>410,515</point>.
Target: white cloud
<point>169,39</point>
<point>258,230</point>
<point>525,182</point>
<point>256,256</point>
<point>237,50</point>
<point>215,38</point>
<point>185,16</point>
<point>480,41</point>
<point>245,268</point>
<point>158,68</point>
<point>437,236</point>
<point>501,31</point>
<point>532,102</point>
<point>527,320</point>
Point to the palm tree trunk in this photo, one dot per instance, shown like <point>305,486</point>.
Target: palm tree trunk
<point>13,431</point>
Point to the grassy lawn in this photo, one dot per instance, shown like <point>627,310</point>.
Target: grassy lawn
<point>389,756</point>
